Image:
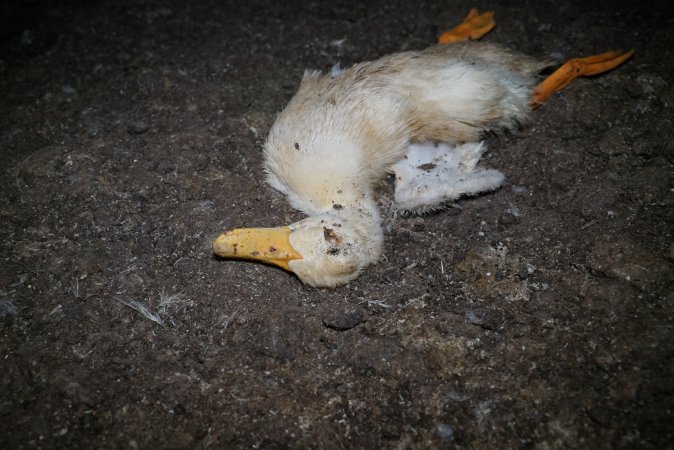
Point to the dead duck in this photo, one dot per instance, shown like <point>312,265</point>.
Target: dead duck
<point>418,114</point>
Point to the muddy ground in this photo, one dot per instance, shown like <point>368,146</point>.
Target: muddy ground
<point>538,316</point>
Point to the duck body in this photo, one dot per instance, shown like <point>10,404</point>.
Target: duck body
<point>419,115</point>
<point>348,129</point>
<point>344,131</point>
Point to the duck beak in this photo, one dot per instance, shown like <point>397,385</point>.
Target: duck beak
<point>270,245</point>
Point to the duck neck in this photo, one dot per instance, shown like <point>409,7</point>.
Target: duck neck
<point>328,192</point>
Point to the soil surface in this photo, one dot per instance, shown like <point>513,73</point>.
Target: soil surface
<point>538,316</point>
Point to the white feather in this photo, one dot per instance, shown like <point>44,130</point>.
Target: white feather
<point>431,175</point>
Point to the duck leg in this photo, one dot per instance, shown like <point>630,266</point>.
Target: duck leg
<point>433,174</point>
<point>474,26</point>
<point>574,68</point>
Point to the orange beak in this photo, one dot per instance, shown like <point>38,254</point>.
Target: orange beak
<point>270,245</point>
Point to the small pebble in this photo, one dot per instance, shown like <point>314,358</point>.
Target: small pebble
<point>445,431</point>
<point>139,127</point>
<point>342,320</point>
<point>68,89</point>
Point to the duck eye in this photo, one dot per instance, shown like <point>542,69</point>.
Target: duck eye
<point>330,236</point>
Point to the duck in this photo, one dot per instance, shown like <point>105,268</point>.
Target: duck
<point>421,115</point>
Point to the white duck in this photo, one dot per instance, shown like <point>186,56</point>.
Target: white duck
<point>418,114</point>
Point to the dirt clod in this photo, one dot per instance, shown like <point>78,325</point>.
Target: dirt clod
<point>342,320</point>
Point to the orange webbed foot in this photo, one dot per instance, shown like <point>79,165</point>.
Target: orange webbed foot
<point>474,26</point>
<point>574,68</point>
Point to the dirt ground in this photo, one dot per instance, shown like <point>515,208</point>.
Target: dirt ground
<point>538,316</point>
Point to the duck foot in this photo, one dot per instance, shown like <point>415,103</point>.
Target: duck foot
<point>474,26</point>
<point>574,68</point>
<point>431,175</point>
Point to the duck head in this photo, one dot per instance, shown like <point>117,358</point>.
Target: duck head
<point>325,250</point>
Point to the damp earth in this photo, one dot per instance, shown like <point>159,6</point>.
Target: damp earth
<point>537,316</point>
